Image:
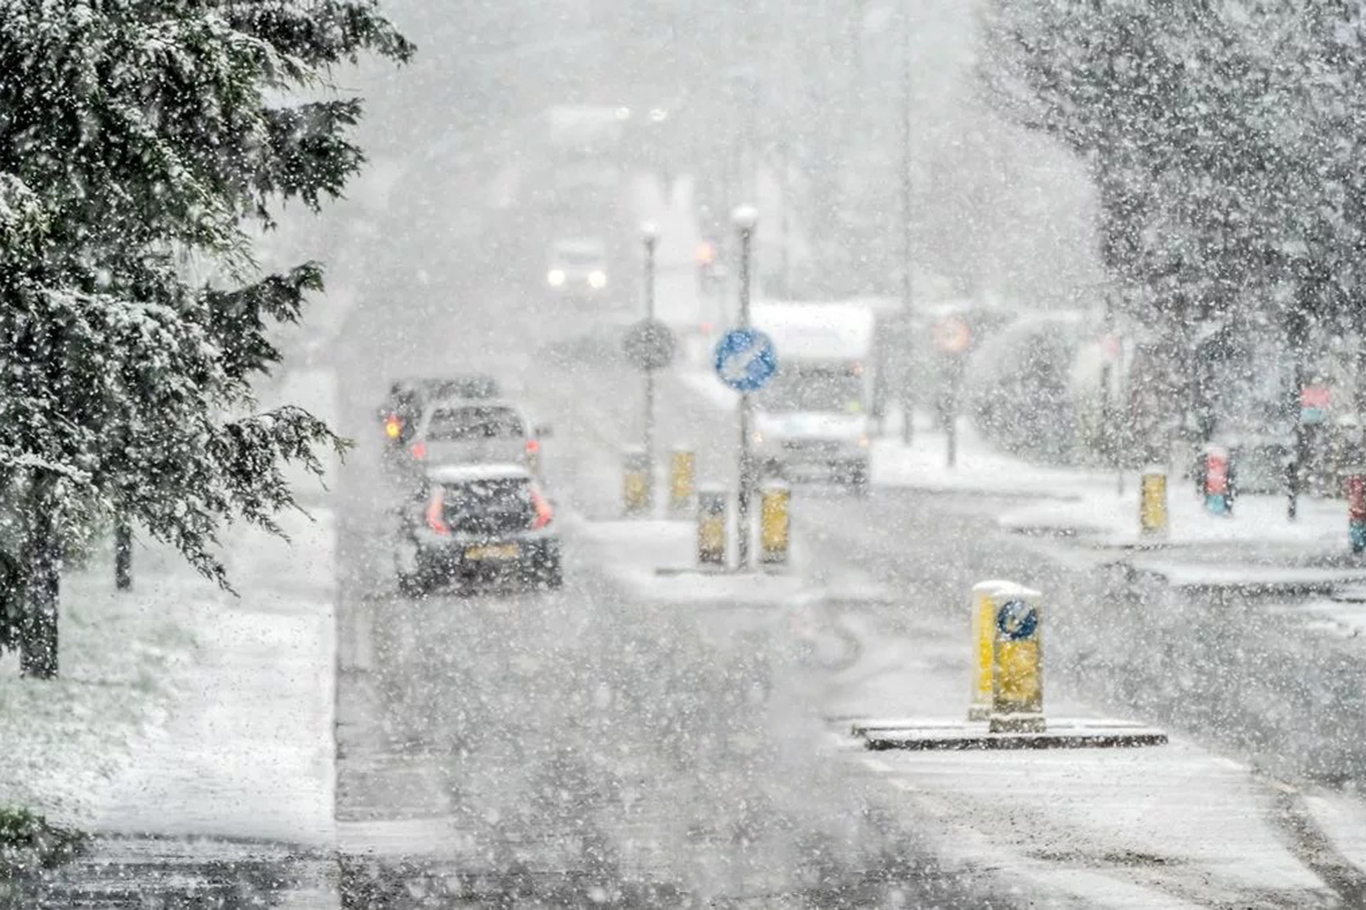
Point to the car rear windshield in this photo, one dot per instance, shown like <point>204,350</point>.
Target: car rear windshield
<point>488,505</point>
<point>468,424</point>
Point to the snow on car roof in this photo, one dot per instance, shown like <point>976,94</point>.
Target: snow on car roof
<point>464,473</point>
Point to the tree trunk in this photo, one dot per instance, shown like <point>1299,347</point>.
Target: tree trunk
<point>38,637</point>
<point>123,555</point>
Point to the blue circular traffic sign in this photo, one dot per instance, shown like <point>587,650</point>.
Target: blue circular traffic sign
<point>745,359</point>
<point>1017,620</point>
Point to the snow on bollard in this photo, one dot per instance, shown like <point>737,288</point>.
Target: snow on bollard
<point>983,633</point>
<point>774,523</point>
<point>711,527</point>
<point>635,482</point>
<point>1152,502</point>
<point>682,463</point>
<point>1017,661</point>
<point>1356,509</point>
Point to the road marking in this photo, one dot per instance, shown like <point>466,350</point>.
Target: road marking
<point>881,767</point>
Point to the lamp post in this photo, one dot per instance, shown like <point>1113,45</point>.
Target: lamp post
<point>649,233</point>
<point>745,217</point>
<point>907,234</point>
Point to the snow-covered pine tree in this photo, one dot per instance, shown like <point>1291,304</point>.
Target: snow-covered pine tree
<point>137,138</point>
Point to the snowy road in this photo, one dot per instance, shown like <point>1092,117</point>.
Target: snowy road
<point>588,744</point>
<point>602,743</point>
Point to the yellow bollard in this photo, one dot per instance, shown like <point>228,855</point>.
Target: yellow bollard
<point>774,523</point>
<point>1017,662</point>
<point>711,527</point>
<point>681,465</point>
<point>1152,503</point>
<point>983,634</point>
<point>635,485</point>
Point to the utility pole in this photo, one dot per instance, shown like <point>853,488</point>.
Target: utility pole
<point>907,238</point>
<point>745,218</point>
<point>650,234</point>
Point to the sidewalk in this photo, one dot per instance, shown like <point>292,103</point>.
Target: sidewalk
<point>247,748</point>
<point>1082,513</point>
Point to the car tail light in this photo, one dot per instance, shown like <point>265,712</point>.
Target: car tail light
<point>435,520</point>
<point>543,511</point>
<point>533,446</point>
<point>392,426</point>
<point>419,450</point>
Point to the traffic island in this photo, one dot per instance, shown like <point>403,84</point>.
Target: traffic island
<point>1059,733</point>
<point>1005,705</point>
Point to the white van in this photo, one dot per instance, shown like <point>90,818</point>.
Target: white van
<point>812,419</point>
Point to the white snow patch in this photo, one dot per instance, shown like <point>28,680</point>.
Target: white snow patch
<point>248,748</point>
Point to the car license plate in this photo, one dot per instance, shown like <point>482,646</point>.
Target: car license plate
<point>497,551</point>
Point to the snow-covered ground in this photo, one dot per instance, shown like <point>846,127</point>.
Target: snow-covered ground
<point>246,748</point>
<point>65,740</point>
<point>181,708</point>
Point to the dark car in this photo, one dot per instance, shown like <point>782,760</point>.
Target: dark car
<point>477,523</point>
<point>467,432</point>
<point>409,398</point>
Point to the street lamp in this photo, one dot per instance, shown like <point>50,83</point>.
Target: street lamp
<point>649,235</point>
<point>745,218</point>
<point>907,233</point>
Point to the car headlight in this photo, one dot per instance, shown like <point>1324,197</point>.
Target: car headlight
<point>757,438</point>
<point>555,277</point>
<point>597,279</point>
<point>863,442</point>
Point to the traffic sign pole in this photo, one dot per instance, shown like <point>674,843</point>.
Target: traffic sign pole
<point>745,362</point>
<point>746,467</point>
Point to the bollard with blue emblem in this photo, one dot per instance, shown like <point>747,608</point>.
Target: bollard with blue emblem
<point>983,614</point>
<point>1356,509</point>
<point>1017,662</point>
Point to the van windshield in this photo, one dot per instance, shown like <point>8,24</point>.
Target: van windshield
<point>813,389</point>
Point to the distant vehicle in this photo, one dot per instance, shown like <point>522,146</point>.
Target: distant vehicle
<point>577,268</point>
<point>812,417</point>
<point>402,409</point>
<point>477,523</point>
<point>458,431</point>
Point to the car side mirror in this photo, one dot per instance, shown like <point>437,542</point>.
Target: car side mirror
<point>543,430</point>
